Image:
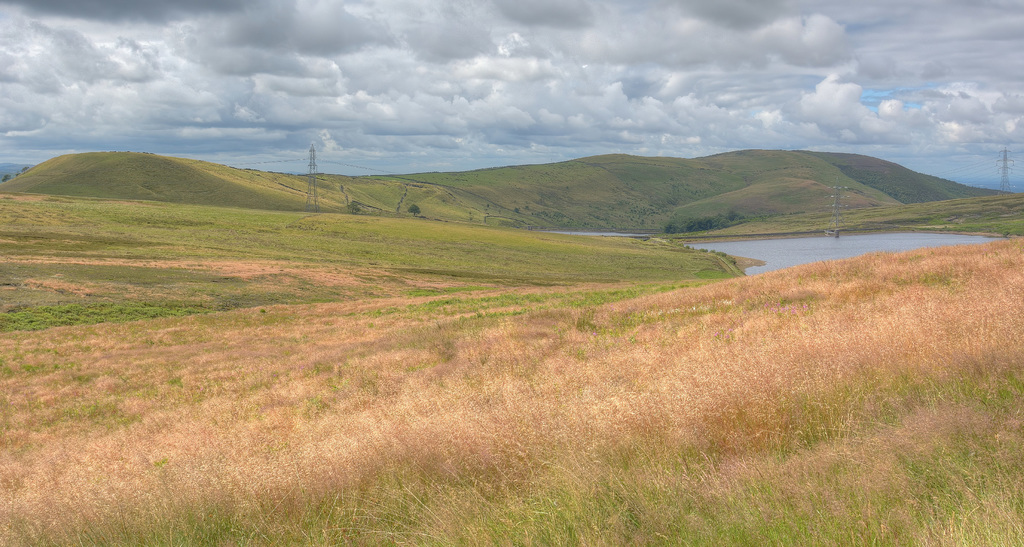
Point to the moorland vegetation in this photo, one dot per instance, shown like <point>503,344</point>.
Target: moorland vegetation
<point>175,373</point>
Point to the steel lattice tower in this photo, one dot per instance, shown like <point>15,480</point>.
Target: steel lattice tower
<point>837,213</point>
<point>1004,171</point>
<point>312,203</point>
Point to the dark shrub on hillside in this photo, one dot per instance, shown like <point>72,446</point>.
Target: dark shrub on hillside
<point>703,224</point>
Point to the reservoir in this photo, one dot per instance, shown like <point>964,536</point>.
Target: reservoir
<point>783,253</point>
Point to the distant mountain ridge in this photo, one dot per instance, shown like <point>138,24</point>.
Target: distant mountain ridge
<point>12,168</point>
<point>611,192</point>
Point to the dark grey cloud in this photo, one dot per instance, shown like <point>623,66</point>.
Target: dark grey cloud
<point>550,13</point>
<point>277,37</point>
<point>440,31</point>
<point>447,40</point>
<point>312,28</point>
<point>668,39</point>
<point>123,10</point>
<point>738,14</point>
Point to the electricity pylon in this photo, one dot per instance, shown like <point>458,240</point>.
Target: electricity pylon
<point>837,213</point>
<point>312,203</point>
<point>1004,171</point>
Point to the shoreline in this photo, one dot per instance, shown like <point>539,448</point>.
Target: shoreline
<point>820,233</point>
<point>743,263</point>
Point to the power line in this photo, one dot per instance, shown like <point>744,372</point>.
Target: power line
<point>357,166</point>
<point>973,168</point>
<point>269,161</point>
<point>363,167</point>
<point>979,173</point>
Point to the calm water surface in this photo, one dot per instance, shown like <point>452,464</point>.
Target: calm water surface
<point>783,253</point>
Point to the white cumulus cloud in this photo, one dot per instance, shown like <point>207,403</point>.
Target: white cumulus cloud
<point>407,85</point>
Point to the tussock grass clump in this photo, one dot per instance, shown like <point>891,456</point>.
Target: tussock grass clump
<point>873,400</point>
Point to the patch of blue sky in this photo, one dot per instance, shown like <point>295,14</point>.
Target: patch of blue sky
<point>871,98</point>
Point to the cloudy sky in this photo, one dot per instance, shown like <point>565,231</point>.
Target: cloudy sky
<point>438,85</point>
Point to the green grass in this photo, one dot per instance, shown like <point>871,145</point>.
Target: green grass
<point>897,181</point>
<point>75,260</point>
<point>44,317</point>
<point>514,304</point>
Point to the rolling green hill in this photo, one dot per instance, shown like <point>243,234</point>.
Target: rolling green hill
<point>623,192</point>
<point>611,192</point>
<point>776,183</point>
<point>125,175</point>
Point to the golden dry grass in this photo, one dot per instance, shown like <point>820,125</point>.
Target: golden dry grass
<point>821,381</point>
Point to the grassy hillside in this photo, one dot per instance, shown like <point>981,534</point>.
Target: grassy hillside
<point>648,193</point>
<point>619,191</point>
<point>778,183</point>
<point>1000,214</point>
<point>70,261</point>
<point>126,175</point>
<point>900,183</point>
<point>597,192</point>
<point>602,192</point>
<point>868,401</point>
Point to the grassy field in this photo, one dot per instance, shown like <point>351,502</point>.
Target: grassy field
<point>396,381</point>
<point>70,260</point>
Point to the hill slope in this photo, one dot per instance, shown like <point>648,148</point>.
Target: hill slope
<point>904,185</point>
<point>621,191</point>
<point>599,192</point>
<point>1002,214</point>
<point>779,183</point>
<point>874,400</point>
<point>126,175</point>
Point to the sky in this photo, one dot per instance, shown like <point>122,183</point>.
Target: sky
<point>404,86</point>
